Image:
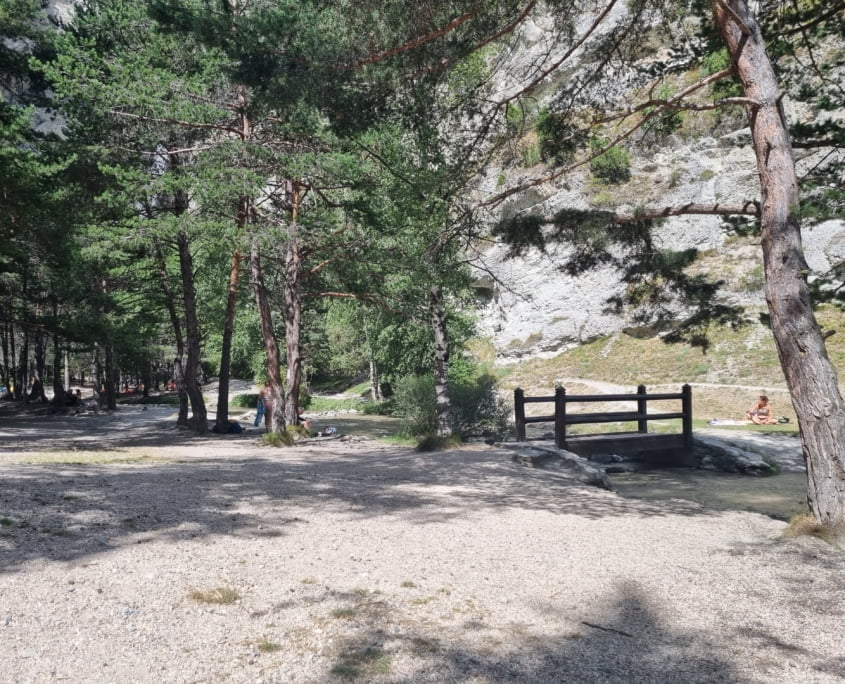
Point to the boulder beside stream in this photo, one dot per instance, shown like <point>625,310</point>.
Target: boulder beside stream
<point>547,456</point>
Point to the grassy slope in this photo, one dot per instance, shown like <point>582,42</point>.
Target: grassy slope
<point>745,358</point>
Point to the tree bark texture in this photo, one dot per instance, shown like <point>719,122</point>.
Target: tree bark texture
<point>271,345</point>
<point>192,334</point>
<point>179,361</point>
<point>59,397</point>
<point>293,309</point>
<point>443,400</point>
<point>222,416</point>
<point>244,203</point>
<point>810,376</point>
<point>110,385</point>
<point>6,378</point>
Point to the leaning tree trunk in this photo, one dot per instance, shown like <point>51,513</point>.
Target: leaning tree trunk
<point>810,375</point>
<point>443,401</point>
<point>271,345</point>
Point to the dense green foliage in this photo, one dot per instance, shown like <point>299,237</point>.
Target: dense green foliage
<point>479,411</point>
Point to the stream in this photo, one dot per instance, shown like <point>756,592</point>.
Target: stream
<point>780,496</point>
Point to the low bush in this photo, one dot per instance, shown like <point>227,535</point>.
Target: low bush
<point>477,410</point>
<point>244,400</point>
<point>559,140</point>
<point>613,165</point>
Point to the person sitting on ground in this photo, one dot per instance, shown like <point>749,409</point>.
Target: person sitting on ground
<point>762,413</point>
<point>307,423</point>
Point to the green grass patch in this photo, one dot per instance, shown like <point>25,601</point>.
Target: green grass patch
<point>344,613</point>
<point>318,404</point>
<point>248,400</point>
<point>437,443</point>
<point>278,439</point>
<point>369,662</point>
<point>266,646</point>
<point>221,595</point>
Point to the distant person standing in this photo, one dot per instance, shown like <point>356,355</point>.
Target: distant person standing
<point>265,406</point>
<point>762,413</point>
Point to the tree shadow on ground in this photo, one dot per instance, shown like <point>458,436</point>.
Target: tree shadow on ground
<point>626,639</point>
<point>65,510</point>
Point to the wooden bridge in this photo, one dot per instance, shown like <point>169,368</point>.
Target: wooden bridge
<point>654,448</point>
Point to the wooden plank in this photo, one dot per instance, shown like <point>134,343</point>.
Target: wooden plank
<point>573,398</point>
<point>615,416</point>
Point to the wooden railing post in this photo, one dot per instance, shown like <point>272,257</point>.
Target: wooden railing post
<point>519,413</point>
<point>642,409</point>
<point>560,417</point>
<point>686,408</point>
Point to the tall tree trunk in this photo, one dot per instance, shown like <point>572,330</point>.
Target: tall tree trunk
<point>96,373</point>
<point>23,364</point>
<point>244,204</point>
<point>192,334</point>
<point>59,397</point>
<point>4,343</point>
<point>14,374</point>
<point>375,379</point>
<point>66,364</point>
<point>39,353</point>
<point>178,362</point>
<point>271,345</point>
<point>443,400</point>
<point>293,308</point>
<point>222,415</point>
<point>110,384</point>
<point>810,375</point>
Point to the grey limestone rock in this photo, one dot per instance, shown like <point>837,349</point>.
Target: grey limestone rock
<point>548,456</point>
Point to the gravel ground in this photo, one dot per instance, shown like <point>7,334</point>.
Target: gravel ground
<point>358,561</point>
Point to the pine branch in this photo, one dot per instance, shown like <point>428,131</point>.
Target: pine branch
<point>176,122</point>
<point>419,40</point>
<point>749,208</point>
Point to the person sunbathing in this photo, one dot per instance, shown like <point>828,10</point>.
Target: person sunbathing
<point>762,413</point>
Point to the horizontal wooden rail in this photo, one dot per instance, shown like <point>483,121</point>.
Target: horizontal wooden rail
<point>641,415</point>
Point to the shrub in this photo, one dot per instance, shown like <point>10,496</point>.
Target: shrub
<point>477,410</point>
<point>414,403</point>
<point>713,64</point>
<point>558,139</point>
<point>244,400</point>
<point>530,156</point>
<point>668,121</point>
<point>613,165</point>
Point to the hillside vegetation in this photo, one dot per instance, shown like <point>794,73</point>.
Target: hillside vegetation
<point>726,378</point>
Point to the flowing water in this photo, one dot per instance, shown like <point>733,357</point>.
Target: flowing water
<point>780,496</point>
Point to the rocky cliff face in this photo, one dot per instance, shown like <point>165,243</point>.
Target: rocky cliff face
<point>529,307</point>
